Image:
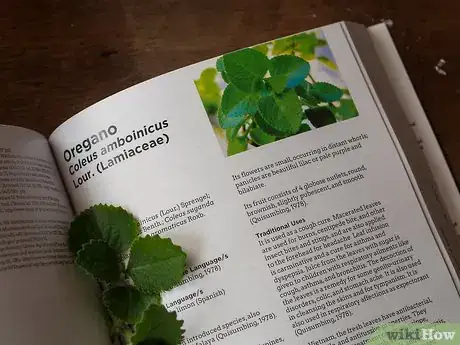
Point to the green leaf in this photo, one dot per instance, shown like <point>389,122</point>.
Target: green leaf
<point>304,127</point>
<point>237,145</point>
<point>260,137</point>
<point>305,45</point>
<point>225,77</point>
<point>320,117</point>
<point>326,92</point>
<point>347,109</point>
<point>311,103</point>
<point>156,264</point>
<point>100,261</point>
<point>288,71</point>
<point>246,68</point>
<point>226,122</point>
<point>126,303</point>
<point>277,83</point>
<point>263,48</point>
<point>154,342</point>
<point>235,106</point>
<point>304,90</point>
<point>327,62</point>
<point>220,64</point>
<point>114,225</point>
<point>221,68</point>
<point>208,90</point>
<point>208,77</point>
<point>283,46</point>
<point>232,132</point>
<point>280,114</point>
<point>302,44</point>
<point>266,89</point>
<point>158,326</point>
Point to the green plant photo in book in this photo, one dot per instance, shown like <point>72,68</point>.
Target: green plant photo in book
<point>259,95</point>
<point>132,272</point>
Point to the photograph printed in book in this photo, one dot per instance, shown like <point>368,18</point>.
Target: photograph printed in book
<point>258,95</point>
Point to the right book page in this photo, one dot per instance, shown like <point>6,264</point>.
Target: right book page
<point>274,168</point>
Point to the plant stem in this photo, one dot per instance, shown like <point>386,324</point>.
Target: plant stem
<point>251,142</point>
<point>249,122</point>
<point>127,335</point>
<point>312,79</point>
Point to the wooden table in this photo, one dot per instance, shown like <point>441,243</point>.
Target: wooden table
<point>58,57</point>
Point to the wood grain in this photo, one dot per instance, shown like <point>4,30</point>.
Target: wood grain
<point>58,57</point>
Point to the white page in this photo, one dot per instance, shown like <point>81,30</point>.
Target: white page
<point>43,300</point>
<point>265,265</point>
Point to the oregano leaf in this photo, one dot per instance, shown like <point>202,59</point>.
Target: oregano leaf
<point>326,92</point>
<point>320,116</point>
<point>226,122</point>
<point>304,127</point>
<point>283,46</point>
<point>156,264</point>
<point>235,105</point>
<point>221,69</point>
<point>82,231</point>
<point>277,83</point>
<point>154,342</point>
<point>246,68</point>
<point>267,128</point>
<point>126,303</point>
<point>232,132</point>
<point>289,70</point>
<point>347,109</point>
<point>158,326</point>
<point>280,114</point>
<point>260,137</point>
<point>304,91</point>
<point>220,64</point>
<point>237,145</point>
<point>305,45</point>
<point>114,225</point>
<point>100,261</point>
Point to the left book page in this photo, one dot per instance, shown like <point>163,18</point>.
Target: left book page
<point>43,299</point>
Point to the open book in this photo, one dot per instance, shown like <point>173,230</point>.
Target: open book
<point>300,176</point>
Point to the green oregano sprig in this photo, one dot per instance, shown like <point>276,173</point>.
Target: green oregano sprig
<point>132,271</point>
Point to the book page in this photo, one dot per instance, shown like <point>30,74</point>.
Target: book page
<point>43,299</point>
<point>301,227</point>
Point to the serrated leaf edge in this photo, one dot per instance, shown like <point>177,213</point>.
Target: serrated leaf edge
<point>112,315</point>
<point>83,268</point>
<point>162,238</point>
<point>104,301</point>
<point>89,209</point>
<point>181,322</point>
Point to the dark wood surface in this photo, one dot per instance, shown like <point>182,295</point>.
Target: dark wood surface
<point>58,57</point>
